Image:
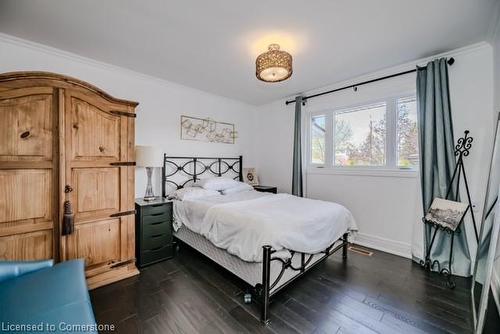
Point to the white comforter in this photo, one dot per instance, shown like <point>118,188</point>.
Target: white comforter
<point>282,221</point>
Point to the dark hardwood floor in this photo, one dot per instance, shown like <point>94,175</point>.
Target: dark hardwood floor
<point>378,294</point>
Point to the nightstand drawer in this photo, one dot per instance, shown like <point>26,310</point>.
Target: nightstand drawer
<point>156,241</point>
<point>153,210</point>
<point>156,228</point>
<point>157,254</point>
<point>156,219</point>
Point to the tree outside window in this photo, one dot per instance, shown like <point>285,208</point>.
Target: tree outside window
<point>361,136</point>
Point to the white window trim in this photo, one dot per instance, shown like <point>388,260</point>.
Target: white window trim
<point>363,171</point>
<point>390,169</point>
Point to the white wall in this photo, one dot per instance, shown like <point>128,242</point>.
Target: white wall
<point>387,208</point>
<point>161,102</point>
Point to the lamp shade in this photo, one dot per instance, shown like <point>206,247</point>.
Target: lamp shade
<point>148,156</point>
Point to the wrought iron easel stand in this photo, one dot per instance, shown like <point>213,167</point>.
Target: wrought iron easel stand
<point>462,149</point>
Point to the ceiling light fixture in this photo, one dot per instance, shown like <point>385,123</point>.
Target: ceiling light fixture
<point>274,65</point>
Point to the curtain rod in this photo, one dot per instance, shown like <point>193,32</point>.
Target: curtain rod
<point>355,86</point>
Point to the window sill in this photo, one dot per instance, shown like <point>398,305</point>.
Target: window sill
<point>374,172</point>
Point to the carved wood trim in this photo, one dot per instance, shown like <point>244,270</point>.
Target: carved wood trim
<point>54,77</point>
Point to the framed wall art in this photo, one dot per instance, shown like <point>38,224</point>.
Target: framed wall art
<point>207,130</point>
<point>446,213</point>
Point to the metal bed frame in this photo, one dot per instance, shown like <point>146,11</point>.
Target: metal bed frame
<point>192,168</point>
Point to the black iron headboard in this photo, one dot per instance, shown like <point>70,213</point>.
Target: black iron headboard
<point>191,168</point>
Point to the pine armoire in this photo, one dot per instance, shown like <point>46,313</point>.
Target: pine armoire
<point>67,157</point>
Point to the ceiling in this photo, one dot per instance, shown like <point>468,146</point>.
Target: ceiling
<point>212,45</point>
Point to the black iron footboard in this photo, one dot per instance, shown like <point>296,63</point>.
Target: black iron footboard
<point>264,289</point>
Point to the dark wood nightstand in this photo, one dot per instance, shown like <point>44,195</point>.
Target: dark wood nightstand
<point>266,189</point>
<point>153,231</point>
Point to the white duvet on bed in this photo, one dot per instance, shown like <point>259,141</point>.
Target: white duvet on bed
<point>191,212</point>
<point>243,223</point>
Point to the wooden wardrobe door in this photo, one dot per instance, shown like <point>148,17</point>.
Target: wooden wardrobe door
<point>28,173</point>
<point>97,144</point>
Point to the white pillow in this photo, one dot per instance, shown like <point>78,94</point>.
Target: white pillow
<point>192,193</point>
<point>237,189</point>
<point>216,183</point>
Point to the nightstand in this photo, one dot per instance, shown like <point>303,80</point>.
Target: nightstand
<point>153,231</point>
<point>266,189</point>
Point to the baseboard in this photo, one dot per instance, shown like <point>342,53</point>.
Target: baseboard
<point>495,288</point>
<point>112,275</point>
<point>382,244</point>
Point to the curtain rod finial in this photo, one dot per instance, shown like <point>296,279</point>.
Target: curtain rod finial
<point>451,61</point>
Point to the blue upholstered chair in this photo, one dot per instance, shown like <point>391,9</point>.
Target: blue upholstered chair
<point>39,293</point>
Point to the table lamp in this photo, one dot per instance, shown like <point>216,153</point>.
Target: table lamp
<point>148,157</point>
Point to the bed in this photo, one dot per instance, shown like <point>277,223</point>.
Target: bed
<point>264,239</point>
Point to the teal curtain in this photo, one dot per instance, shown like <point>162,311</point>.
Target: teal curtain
<point>437,159</point>
<point>297,182</point>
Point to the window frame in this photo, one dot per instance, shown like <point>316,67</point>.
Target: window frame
<point>390,168</point>
<point>328,143</point>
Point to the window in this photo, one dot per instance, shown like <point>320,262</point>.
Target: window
<point>407,133</point>
<point>377,135</point>
<point>318,131</point>
<point>359,136</point>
